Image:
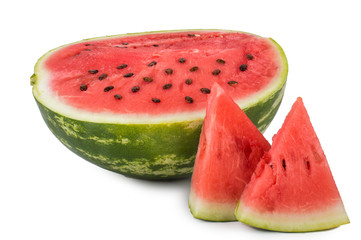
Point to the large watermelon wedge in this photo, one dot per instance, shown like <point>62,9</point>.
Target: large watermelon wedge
<point>292,189</point>
<point>135,103</point>
<point>229,149</point>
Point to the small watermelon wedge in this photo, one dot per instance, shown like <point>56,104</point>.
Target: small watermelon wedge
<point>292,189</point>
<point>230,148</point>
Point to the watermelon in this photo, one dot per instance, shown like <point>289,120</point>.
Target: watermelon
<point>135,103</point>
<point>228,152</point>
<point>292,189</point>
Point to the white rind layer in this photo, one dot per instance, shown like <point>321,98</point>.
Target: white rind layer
<point>42,92</point>
<point>327,218</point>
<point>211,211</point>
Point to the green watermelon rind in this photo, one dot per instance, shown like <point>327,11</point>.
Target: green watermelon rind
<point>210,211</point>
<point>149,151</point>
<point>324,219</point>
<point>161,149</point>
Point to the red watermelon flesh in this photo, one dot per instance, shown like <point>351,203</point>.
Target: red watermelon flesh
<point>229,149</point>
<point>155,73</point>
<point>292,188</point>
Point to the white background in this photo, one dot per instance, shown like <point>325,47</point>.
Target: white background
<point>47,192</point>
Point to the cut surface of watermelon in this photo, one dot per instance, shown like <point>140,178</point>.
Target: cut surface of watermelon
<point>135,103</point>
<point>229,149</point>
<point>292,189</point>
<point>83,78</point>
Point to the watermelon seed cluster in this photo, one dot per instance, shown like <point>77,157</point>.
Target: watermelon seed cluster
<point>168,71</point>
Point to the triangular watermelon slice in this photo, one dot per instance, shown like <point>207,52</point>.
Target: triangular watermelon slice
<point>229,149</point>
<point>292,189</point>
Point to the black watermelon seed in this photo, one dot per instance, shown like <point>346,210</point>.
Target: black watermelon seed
<point>124,43</point>
<point>216,72</point>
<point>243,67</point>
<point>167,86</point>
<point>169,71</point>
<point>87,49</point>
<point>122,66</point>
<point>284,164</point>
<point>188,99</point>
<point>205,90</point>
<point>156,100</point>
<point>249,56</point>
<point>117,96</point>
<point>148,79</point>
<point>188,81</point>
<point>103,76</point>
<point>127,75</point>
<point>221,61</point>
<point>155,45</point>
<point>181,60</point>
<point>232,83</point>
<point>88,44</point>
<point>193,69</point>
<point>307,164</point>
<point>107,89</point>
<point>152,64</point>
<point>135,89</point>
<point>191,35</point>
<point>83,87</point>
<point>93,71</point>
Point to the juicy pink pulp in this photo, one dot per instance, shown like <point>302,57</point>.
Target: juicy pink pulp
<point>69,70</point>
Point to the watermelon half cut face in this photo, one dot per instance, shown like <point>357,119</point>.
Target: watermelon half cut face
<point>292,188</point>
<point>135,103</point>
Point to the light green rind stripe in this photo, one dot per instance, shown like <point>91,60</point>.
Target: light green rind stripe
<point>210,211</point>
<point>331,217</point>
<point>151,151</point>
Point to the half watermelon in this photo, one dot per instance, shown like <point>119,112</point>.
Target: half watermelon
<point>228,152</point>
<point>135,103</point>
<point>292,189</point>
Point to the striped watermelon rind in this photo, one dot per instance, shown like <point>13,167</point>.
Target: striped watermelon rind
<point>142,147</point>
